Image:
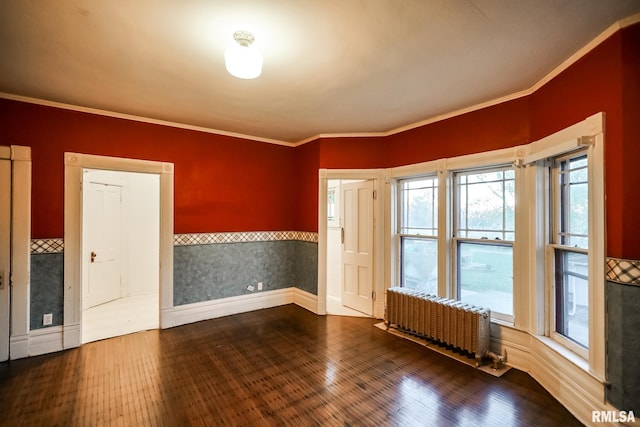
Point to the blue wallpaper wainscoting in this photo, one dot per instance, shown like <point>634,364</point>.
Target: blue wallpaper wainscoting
<point>623,334</point>
<point>47,281</point>
<point>220,265</point>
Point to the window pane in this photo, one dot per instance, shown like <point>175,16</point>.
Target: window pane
<point>510,205</point>
<point>486,205</point>
<point>578,214</point>
<point>573,200</point>
<point>420,264</point>
<point>485,276</point>
<point>419,207</point>
<point>572,296</point>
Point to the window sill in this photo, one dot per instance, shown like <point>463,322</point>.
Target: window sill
<point>501,322</point>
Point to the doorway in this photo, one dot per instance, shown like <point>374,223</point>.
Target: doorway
<point>120,247</point>
<point>75,164</point>
<point>5,256</point>
<point>350,247</point>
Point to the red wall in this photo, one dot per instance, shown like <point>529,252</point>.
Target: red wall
<point>306,168</point>
<point>500,126</point>
<point>221,183</point>
<point>591,85</point>
<point>606,79</point>
<point>230,184</point>
<point>628,200</point>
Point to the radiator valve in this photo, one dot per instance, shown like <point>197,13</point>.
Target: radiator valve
<point>497,359</point>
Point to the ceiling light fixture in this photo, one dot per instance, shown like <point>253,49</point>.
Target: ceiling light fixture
<point>243,60</point>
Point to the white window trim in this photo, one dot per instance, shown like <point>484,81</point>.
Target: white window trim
<point>589,134</point>
<point>531,293</point>
<point>445,168</point>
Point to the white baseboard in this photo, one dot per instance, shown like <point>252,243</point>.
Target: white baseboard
<point>71,336</point>
<point>512,343</point>
<point>576,389</point>
<point>378,309</point>
<point>196,312</point>
<point>57,338</point>
<point>305,300</point>
<point>19,346</point>
<point>46,340</point>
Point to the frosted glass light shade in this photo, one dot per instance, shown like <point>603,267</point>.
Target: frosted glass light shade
<point>244,62</point>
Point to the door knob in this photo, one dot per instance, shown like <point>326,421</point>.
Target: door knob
<point>93,256</point>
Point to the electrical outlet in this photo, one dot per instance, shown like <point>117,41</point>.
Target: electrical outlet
<point>250,288</point>
<point>259,286</point>
<point>47,319</point>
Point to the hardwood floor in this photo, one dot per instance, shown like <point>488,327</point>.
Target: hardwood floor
<point>281,366</point>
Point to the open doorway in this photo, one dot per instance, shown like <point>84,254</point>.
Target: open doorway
<point>5,255</point>
<point>349,247</point>
<point>120,253</point>
<point>74,269</point>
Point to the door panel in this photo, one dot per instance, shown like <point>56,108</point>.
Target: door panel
<point>357,249</point>
<point>5,256</point>
<point>102,209</point>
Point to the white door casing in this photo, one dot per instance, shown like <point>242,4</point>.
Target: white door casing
<point>74,164</point>
<point>5,256</point>
<point>102,241</point>
<point>357,246</point>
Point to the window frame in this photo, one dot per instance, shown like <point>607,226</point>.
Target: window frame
<point>557,215</point>
<point>586,135</point>
<point>457,240</point>
<point>401,236</point>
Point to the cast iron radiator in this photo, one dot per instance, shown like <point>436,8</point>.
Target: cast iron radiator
<point>443,320</point>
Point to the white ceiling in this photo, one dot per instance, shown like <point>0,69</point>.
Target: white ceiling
<point>330,66</point>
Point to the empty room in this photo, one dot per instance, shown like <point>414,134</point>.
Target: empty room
<point>319,213</point>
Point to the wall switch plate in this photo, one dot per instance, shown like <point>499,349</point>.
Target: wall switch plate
<point>259,286</point>
<point>47,319</point>
<point>250,288</point>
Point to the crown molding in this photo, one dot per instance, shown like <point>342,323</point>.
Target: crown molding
<point>631,20</point>
<point>107,113</point>
<point>627,22</point>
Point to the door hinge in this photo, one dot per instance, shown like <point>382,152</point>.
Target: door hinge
<point>373,295</point>
<point>375,194</point>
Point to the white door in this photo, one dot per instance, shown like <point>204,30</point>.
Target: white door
<point>5,256</point>
<point>357,246</point>
<point>102,235</point>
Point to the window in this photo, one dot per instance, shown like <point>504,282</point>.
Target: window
<point>331,204</point>
<point>418,226</point>
<point>570,241</point>
<point>484,235</point>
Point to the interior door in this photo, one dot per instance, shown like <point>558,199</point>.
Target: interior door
<point>357,246</point>
<point>5,256</point>
<point>102,236</point>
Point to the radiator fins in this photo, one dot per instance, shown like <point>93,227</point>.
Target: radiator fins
<point>444,320</point>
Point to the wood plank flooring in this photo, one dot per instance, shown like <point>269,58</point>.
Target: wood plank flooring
<point>277,367</point>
